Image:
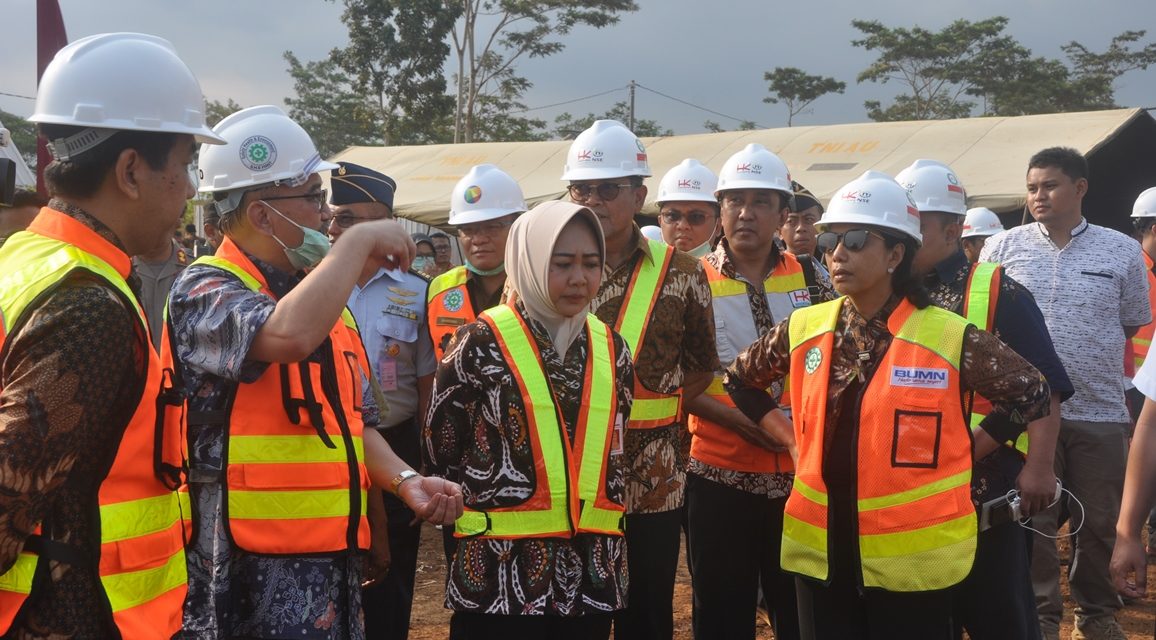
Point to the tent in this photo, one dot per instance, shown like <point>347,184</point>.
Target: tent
<point>989,154</point>
<point>25,179</point>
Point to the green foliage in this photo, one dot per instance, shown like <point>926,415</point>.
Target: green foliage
<point>216,111</point>
<point>488,41</point>
<point>566,126</point>
<point>23,136</point>
<point>329,109</point>
<point>713,127</point>
<point>797,89</point>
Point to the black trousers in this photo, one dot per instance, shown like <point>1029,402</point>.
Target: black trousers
<point>735,539</point>
<point>996,601</point>
<point>652,557</point>
<point>483,626</point>
<point>840,612</point>
<point>387,604</point>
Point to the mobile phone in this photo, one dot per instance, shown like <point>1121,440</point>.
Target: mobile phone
<point>998,511</point>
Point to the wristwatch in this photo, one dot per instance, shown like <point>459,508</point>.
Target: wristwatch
<point>395,484</point>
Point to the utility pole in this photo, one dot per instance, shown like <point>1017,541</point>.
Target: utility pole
<point>630,124</point>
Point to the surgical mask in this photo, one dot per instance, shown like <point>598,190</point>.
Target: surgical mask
<point>314,246</point>
<point>701,250</point>
<point>421,263</point>
<point>492,272</point>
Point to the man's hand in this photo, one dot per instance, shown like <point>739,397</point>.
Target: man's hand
<point>390,246</point>
<point>1037,486</point>
<point>377,561</point>
<point>753,433</point>
<point>433,499</point>
<point>1129,567</point>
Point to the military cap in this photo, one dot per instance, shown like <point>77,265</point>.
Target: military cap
<point>353,184</point>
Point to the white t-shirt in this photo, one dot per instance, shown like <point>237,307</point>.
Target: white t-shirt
<point>1088,292</point>
<point>1145,379</point>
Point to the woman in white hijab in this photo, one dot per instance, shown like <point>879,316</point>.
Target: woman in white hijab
<point>527,411</point>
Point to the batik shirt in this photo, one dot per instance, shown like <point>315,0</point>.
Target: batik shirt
<point>679,339</point>
<point>215,318</point>
<point>478,433</point>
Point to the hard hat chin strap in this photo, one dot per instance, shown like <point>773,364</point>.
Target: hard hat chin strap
<point>64,149</point>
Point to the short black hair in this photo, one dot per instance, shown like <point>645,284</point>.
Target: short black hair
<point>1066,159</point>
<point>904,281</point>
<point>80,176</point>
<point>439,234</point>
<point>1142,225</point>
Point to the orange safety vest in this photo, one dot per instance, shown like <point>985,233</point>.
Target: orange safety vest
<point>786,290</point>
<point>916,523</point>
<point>1140,343</point>
<point>570,492</point>
<point>650,409</point>
<point>448,307</point>
<point>142,560</point>
<point>296,481</point>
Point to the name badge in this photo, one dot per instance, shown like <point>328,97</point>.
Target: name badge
<point>450,321</point>
<point>919,377</point>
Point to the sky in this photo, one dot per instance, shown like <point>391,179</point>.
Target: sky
<point>710,54</point>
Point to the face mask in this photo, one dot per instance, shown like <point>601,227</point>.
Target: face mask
<point>492,272</point>
<point>421,263</point>
<point>701,250</point>
<point>313,247</point>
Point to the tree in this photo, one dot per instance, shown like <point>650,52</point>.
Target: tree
<point>215,111</point>
<point>744,125</point>
<point>795,88</point>
<point>936,68</point>
<point>395,57</point>
<point>566,126</point>
<point>492,35</point>
<point>328,108</point>
<point>23,136</point>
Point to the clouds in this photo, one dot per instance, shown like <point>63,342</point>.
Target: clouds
<point>710,54</point>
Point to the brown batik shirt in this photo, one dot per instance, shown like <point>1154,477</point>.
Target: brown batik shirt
<point>679,339</point>
<point>71,377</point>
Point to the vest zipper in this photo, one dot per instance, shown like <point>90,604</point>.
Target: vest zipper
<point>859,586</point>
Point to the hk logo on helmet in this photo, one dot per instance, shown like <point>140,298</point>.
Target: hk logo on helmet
<point>748,167</point>
<point>258,153</point>
<point>690,184</point>
<point>590,155</point>
<point>862,197</point>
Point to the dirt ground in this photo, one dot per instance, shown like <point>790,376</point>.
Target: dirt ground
<point>430,620</point>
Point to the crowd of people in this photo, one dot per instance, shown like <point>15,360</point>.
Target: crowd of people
<point>869,419</point>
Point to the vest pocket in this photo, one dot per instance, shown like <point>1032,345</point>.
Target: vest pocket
<point>288,476</point>
<point>915,439</point>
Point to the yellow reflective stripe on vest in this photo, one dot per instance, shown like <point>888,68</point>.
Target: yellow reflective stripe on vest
<point>515,336</point>
<point>302,504</point>
<point>804,549</point>
<point>887,558</point>
<point>911,495</point>
<point>654,408</point>
<point>134,588</point>
<point>18,579</point>
<point>637,312</point>
<point>455,277</point>
<point>808,322</point>
<point>936,330</point>
<point>288,449</point>
<point>597,432</point>
<point>979,296</point>
<point>136,518</point>
<point>225,265</point>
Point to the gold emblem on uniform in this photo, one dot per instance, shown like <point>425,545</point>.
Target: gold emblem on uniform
<point>405,293</point>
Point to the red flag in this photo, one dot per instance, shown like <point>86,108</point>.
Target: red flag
<point>50,38</point>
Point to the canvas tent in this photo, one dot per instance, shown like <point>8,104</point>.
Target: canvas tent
<point>25,179</point>
<point>989,154</point>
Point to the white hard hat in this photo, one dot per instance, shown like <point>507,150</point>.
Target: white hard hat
<point>119,82</point>
<point>651,232</point>
<point>934,187</point>
<point>873,198</point>
<point>754,168</point>
<point>264,147</point>
<point>1145,206</point>
<point>606,150</point>
<point>982,221</point>
<point>689,181</point>
<point>485,193</point>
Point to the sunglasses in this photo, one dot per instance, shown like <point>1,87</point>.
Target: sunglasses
<point>853,240</point>
<point>606,191</point>
<point>318,198</point>
<point>694,219</point>
<point>346,220</point>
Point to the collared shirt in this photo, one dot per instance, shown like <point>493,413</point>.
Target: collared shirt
<point>1020,325</point>
<point>156,280</point>
<point>72,376</point>
<point>679,340</point>
<point>771,485</point>
<point>478,435</point>
<point>1088,292</point>
<point>390,312</point>
<point>232,593</point>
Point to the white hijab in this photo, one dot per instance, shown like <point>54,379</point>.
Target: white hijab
<point>528,252</point>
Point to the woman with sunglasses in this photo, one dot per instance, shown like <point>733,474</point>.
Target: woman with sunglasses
<point>880,521</point>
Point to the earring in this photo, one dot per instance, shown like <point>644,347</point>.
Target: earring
<point>890,269</point>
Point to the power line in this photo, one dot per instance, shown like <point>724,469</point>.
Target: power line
<point>691,104</point>
<point>558,104</point>
<point>13,95</point>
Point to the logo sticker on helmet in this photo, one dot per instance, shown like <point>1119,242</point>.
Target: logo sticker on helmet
<point>813,359</point>
<point>258,153</point>
<point>454,300</point>
<point>473,194</point>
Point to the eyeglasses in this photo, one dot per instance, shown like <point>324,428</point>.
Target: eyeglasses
<point>606,191</point>
<point>319,198</point>
<point>346,220</point>
<point>694,219</point>
<point>488,229</point>
<point>853,240</point>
